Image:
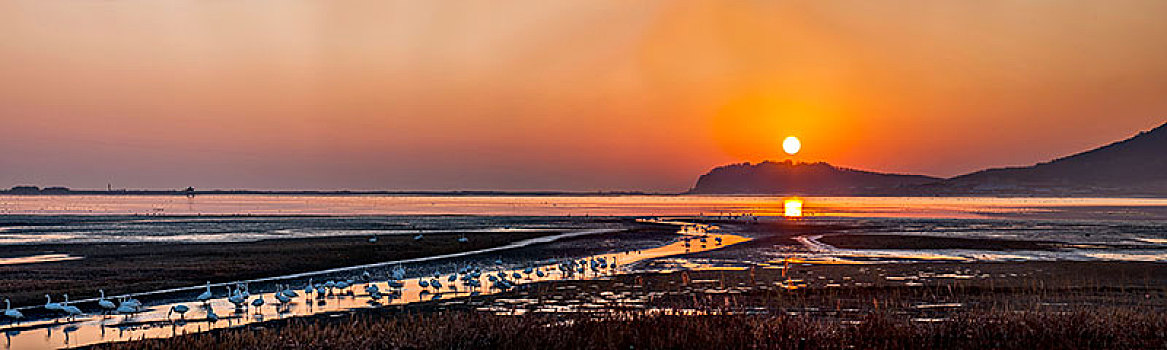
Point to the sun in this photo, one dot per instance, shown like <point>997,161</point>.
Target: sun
<point>791,145</point>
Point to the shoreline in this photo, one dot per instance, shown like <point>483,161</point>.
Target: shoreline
<point>1086,289</point>
<point>414,255</point>
<point>344,193</point>
<point>744,283</point>
<point>161,268</point>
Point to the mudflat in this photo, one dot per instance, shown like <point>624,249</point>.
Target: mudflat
<point>121,268</point>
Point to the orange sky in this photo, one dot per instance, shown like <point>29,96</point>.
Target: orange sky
<point>571,95</point>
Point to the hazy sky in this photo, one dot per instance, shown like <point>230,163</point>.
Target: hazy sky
<point>572,95</point>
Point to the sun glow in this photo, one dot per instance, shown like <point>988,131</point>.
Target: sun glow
<point>793,207</point>
<point>791,145</point>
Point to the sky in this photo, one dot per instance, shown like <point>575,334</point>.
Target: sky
<point>575,95</point>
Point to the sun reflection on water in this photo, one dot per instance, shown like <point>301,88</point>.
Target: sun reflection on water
<point>154,321</point>
<point>793,207</point>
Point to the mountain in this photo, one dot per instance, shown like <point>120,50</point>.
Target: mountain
<point>1135,166</point>
<point>802,178</point>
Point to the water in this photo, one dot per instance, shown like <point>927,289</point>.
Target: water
<point>156,321</point>
<point>1092,228</point>
<point>71,229</point>
<point>32,259</point>
<point>905,207</point>
<point>818,252</point>
<point>87,219</point>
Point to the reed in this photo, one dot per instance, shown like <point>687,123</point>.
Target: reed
<point>1068,308</point>
<point>1081,329</point>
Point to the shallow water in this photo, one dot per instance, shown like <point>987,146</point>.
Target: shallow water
<point>821,253</point>
<point>1051,240</point>
<point>1099,229</point>
<point>69,229</point>
<point>915,207</point>
<point>154,321</point>
<point>88,219</point>
<point>32,259</point>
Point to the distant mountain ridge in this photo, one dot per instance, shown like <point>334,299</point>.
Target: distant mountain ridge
<point>1136,166</point>
<point>801,178</point>
<point>1132,166</point>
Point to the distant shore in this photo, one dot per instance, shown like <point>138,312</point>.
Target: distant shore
<point>342,193</point>
<point>60,191</point>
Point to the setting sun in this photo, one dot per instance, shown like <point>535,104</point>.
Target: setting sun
<point>583,170</point>
<point>791,145</point>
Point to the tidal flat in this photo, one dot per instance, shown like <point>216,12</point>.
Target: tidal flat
<point>920,279</point>
<point>1040,305</point>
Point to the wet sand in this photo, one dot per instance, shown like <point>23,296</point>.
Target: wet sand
<point>879,241</point>
<point>141,267</point>
<point>1076,304</point>
<point>917,299</point>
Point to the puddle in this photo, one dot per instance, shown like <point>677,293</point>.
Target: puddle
<point>32,259</point>
<point>815,252</point>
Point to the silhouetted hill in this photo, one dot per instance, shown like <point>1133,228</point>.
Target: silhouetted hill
<point>802,178</point>
<point>1133,167</point>
<point>1136,166</point>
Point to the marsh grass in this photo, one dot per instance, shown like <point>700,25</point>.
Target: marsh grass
<point>1099,328</point>
<point>1067,307</point>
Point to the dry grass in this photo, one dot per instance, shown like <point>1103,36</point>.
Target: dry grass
<point>1100,328</point>
<point>1090,310</point>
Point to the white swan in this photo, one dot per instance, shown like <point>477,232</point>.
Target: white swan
<point>280,297</point>
<point>11,313</point>
<point>288,292</point>
<point>283,299</point>
<point>73,311</point>
<point>236,298</point>
<point>180,309</point>
<point>50,305</point>
<point>134,303</point>
<point>104,303</point>
<point>206,295</point>
<point>258,303</point>
<point>126,308</point>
